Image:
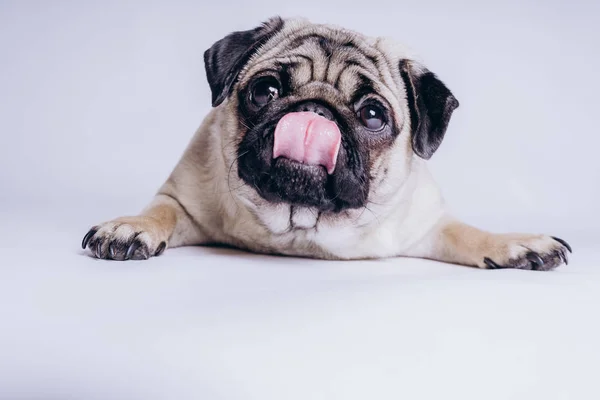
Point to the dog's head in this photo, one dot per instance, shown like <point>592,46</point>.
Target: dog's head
<point>324,117</point>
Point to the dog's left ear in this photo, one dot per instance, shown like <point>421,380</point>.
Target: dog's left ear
<point>431,105</point>
<point>225,59</point>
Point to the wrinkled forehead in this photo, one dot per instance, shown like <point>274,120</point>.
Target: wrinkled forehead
<point>349,62</point>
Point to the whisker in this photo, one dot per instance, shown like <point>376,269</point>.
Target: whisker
<point>229,143</point>
<point>375,215</point>
<point>249,125</point>
<point>360,215</point>
<point>244,124</point>
<point>229,175</point>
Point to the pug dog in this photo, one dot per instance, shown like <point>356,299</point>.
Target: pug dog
<point>316,146</point>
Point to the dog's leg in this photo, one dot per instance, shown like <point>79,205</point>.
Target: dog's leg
<point>163,223</point>
<point>455,242</point>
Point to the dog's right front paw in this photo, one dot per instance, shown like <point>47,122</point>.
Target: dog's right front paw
<point>132,238</point>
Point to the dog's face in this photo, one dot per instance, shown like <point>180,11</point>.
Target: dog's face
<point>325,117</point>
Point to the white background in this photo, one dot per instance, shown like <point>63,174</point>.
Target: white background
<point>98,101</point>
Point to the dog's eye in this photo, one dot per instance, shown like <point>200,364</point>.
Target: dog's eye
<point>372,117</point>
<point>264,91</point>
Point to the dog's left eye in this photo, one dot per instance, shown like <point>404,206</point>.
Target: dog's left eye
<point>265,91</point>
<point>372,117</point>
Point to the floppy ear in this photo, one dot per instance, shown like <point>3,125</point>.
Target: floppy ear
<point>225,59</point>
<point>431,105</point>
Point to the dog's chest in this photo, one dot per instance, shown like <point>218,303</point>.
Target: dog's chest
<point>307,232</point>
<point>303,218</point>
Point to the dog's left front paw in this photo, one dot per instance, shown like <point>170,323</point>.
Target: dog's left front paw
<point>540,253</point>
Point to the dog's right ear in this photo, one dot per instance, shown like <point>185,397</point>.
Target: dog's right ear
<point>226,58</point>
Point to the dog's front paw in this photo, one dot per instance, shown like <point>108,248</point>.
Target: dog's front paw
<point>541,253</point>
<point>134,238</point>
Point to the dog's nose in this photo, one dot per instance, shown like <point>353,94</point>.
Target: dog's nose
<point>311,106</point>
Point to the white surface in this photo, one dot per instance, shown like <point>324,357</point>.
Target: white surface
<point>97,102</point>
<point>201,323</point>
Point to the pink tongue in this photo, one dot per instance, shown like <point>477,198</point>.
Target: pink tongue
<point>308,138</point>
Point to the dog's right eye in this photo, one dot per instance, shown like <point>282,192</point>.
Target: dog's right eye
<point>264,91</point>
